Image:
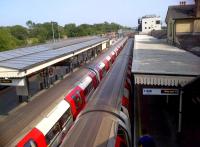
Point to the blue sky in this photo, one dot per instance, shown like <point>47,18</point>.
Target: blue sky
<point>125,12</point>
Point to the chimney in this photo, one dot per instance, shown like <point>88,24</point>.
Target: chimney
<point>197,3</point>
<point>182,3</point>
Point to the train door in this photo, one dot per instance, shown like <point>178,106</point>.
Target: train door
<point>56,124</point>
<point>113,55</point>
<point>102,67</point>
<point>94,79</point>
<point>106,62</point>
<point>109,60</point>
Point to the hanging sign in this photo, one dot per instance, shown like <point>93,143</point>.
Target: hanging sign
<point>160,91</point>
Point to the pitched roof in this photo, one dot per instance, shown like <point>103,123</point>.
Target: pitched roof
<point>180,11</point>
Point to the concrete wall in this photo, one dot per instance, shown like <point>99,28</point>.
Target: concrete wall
<point>197,26</point>
<point>184,26</point>
<point>181,27</point>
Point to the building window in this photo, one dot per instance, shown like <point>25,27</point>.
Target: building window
<point>145,22</point>
<point>157,21</point>
<point>145,27</point>
<point>149,27</point>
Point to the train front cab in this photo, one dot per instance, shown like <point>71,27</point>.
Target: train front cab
<point>76,99</point>
<point>51,130</point>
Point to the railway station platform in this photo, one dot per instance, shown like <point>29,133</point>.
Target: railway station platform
<point>15,122</point>
<point>160,74</point>
<point>32,69</point>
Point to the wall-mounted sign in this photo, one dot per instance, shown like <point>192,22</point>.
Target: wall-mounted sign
<point>5,81</point>
<point>160,91</point>
<point>13,82</point>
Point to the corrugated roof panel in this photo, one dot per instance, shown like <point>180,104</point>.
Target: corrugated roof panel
<point>27,60</point>
<point>40,48</point>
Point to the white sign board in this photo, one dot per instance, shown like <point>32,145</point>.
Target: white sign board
<point>160,91</point>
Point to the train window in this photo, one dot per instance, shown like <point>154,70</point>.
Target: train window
<point>65,118</point>
<point>53,133</point>
<point>30,143</point>
<point>88,88</point>
<point>77,99</point>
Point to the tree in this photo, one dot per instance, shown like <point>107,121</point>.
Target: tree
<point>17,36</point>
<point>19,32</point>
<point>7,41</point>
<point>70,30</point>
<point>30,24</point>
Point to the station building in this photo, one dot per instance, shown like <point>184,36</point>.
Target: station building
<point>32,69</point>
<point>149,22</point>
<point>183,24</point>
<point>163,71</point>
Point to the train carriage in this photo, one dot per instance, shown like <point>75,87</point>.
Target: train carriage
<point>104,122</point>
<point>109,130</point>
<point>51,130</point>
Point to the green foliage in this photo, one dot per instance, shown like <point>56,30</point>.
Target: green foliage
<point>19,36</point>
<point>19,32</point>
<point>33,41</point>
<point>7,41</point>
<point>72,30</point>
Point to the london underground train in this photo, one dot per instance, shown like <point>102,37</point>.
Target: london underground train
<point>51,130</point>
<point>104,121</point>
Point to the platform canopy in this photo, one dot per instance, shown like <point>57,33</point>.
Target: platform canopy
<point>157,63</point>
<point>24,61</point>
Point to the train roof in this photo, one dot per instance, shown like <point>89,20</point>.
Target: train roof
<point>94,129</point>
<point>98,123</point>
<point>105,54</point>
<point>111,91</point>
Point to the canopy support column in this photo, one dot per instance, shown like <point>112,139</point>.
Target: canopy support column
<point>180,112</point>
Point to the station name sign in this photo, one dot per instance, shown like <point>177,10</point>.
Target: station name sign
<point>5,81</point>
<point>160,91</point>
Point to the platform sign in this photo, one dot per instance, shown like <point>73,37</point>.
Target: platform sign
<point>160,91</point>
<point>13,82</point>
<point>5,81</point>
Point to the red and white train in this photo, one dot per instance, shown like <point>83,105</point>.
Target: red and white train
<point>105,120</point>
<point>51,130</point>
